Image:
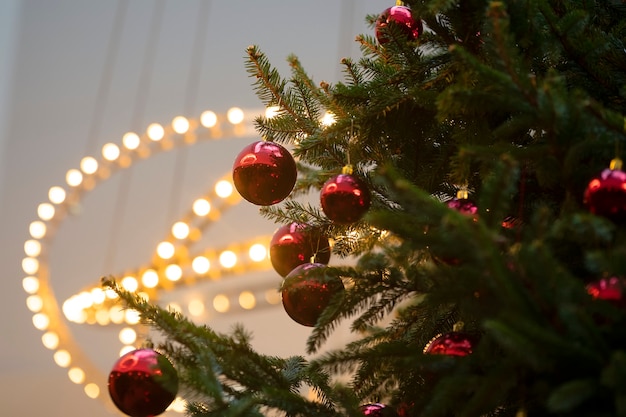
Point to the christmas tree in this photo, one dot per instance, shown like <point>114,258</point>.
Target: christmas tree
<point>472,170</point>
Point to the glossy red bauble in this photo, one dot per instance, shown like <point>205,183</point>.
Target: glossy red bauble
<point>345,198</point>
<point>264,173</point>
<point>464,206</point>
<point>402,18</point>
<point>143,383</point>
<point>607,289</point>
<point>451,344</point>
<point>307,291</point>
<point>606,195</point>
<point>295,244</point>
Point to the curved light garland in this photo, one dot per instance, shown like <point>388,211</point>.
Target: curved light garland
<point>173,263</point>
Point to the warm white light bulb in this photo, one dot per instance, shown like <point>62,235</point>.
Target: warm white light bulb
<point>228,259</point>
<point>165,250</point>
<point>50,340</point>
<point>328,119</point>
<point>200,265</point>
<point>180,125</point>
<point>221,304</point>
<point>41,321</point>
<point>97,295</point>
<point>76,375</point>
<point>117,314</point>
<point>247,300</point>
<point>102,317</point>
<point>131,140</point>
<point>223,189</point>
<point>271,112</point>
<point>92,390</point>
<point>150,278</point>
<point>201,207</point>
<point>257,252</point>
<point>196,307</point>
<point>88,165</point>
<point>173,272</point>
<point>110,152</point>
<point>34,303</point>
<point>129,283</point>
<point>179,405</point>
<point>45,211</point>
<point>32,247</point>
<point>73,177</point>
<point>62,358</point>
<point>37,229</point>
<point>30,265</point>
<point>234,115</point>
<point>208,119</point>
<point>30,285</point>
<point>180,230</point>
<point>155,132</point>
<point>127,335</point>
<point>131,316</point>
<point>56,195</point>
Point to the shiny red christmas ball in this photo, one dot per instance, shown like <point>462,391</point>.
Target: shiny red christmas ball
<point>295,244</point>
<point>307,291</point>
<point>464,206</point>
<point>345,198</point>
<point>402,18</point>
<point>451,344</point>
<point>606,195</point>
<point>143,383</point>
<point>264,173</point>
<point>607,289</point>
<point>378,410</point>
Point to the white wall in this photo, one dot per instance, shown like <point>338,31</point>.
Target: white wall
<point>9,16</point>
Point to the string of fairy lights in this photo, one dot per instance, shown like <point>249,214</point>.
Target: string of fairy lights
<point>173,264</point>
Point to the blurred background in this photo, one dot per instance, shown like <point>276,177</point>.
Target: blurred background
<point>76,75</point>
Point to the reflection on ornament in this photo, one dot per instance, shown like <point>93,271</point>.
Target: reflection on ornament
<point>451,344</point>
<point>400,17</point>
<point>607,289</point>
<point>377,410</point>
<point>295,244</point>
<point>143,383</point>
<point>307,291</point>
<point>264,173</point>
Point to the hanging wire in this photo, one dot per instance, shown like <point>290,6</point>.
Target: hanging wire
<point>107,74</point>
<point>140,105</point>
<point>191,95</point>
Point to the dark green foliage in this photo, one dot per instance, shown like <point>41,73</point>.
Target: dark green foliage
<point>520,102</point>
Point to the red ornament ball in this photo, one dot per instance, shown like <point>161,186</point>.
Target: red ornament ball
<point>143,383</point>
<point>606,195</point>
<point>345,198</point>
<point>295,244</point>
<point>307,291</point>
<point>378,410</point>
<point>464,206</point>
<point>264,173</point>
<point>451,344</point>
<point>607,289</point>
<point>402,18</point>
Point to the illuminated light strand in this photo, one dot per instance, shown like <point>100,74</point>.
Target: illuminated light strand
<point>62,201</point>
